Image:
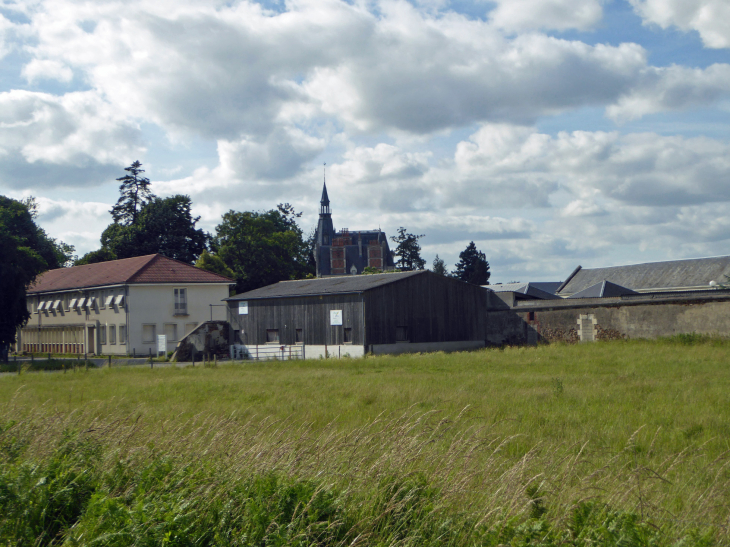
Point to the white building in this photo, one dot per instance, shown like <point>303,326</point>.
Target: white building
<point>120,307</point>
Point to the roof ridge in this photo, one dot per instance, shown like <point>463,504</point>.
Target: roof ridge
<point>144,266</point>
<point>659,262</point>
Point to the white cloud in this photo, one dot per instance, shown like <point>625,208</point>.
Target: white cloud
<point>520,15</point>
<point>47,69</point>
<point>711,18</point>
<point>672,88</point>
<point>46,140</point>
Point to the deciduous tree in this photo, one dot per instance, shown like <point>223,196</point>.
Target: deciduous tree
<point>262,248</point>
<point>25,252</point>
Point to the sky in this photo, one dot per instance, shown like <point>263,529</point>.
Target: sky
<point>552,133</point>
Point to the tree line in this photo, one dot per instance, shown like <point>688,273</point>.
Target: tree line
<point>254,249</point>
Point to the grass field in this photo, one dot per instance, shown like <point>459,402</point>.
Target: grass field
<point>616,443</point>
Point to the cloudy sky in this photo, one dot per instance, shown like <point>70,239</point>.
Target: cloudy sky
<point>551,132</point>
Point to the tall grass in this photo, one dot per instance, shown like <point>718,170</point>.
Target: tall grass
<point>557,445</point>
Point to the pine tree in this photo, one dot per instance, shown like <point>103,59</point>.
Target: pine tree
<point>135,194</point>
<point>439,266</point>
<point>408,251</point>
<point>472,266</point>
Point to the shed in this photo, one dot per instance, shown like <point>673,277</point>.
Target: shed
<point>380,313</point>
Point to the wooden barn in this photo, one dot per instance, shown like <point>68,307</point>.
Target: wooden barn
<point>381,313</point>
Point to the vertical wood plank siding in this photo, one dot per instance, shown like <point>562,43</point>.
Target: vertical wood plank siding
<point>432,307</point>
<point>309,313</point>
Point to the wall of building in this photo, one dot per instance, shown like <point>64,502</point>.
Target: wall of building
<point>154,306</point>
<point>645,316</point>
<point>311,314</point>
<point>433,308</point>
<point>67,329</point>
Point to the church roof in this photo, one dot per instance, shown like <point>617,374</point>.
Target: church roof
<point>325,198</point>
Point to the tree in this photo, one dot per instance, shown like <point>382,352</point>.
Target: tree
<point>262,248</point>
<point>408,250</point>
<point>472,266</point>
<point>135,193</point>
<point>25,252</point>
<point>439,266</point>
<point>163,225</point>
<point>213,263</point>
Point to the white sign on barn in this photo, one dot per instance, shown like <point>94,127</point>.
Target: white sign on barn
<point>335,317</point>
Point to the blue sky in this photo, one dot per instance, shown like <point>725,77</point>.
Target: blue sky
<point>551,132</point>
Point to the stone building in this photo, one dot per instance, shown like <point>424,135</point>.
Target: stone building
<point>346,252</point>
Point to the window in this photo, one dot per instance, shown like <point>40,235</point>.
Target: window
<point>149,333</point>
<point>112,334</point>
<point>171,331</point>
<point>190,327</point>
<point>91,303</point>
<point>119,300</point>
<point>347,336</point>
<point>299,336</point>
<point>122,334</point>
<point>530,315</point>
<point>181,302</point>
<point>102,334</point>
<point>401,334</point>
<point>272,336</point>
<point>109,299</point>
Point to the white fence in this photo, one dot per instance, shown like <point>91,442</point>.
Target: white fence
<point>240,352</point>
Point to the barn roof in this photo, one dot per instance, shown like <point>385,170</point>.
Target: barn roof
<point>346,284</point>
<point>140,269</point>
<point>690,274</point>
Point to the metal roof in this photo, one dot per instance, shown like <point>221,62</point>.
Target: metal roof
<point>325,285</point>
<point>693,273</point>
<point>604,289</point>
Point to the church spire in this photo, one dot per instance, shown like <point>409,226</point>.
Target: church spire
<point>325,201</point>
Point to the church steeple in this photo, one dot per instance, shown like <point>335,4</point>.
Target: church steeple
<point>325,201</point>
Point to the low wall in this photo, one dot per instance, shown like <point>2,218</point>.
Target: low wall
<point>586,320</point>
<point>407,347</point>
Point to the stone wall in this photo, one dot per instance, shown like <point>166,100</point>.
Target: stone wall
<point>585,320</point>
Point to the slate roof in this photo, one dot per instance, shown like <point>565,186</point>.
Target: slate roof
<point>544,290</point>
<point>140,269</point>
<point>690,274</point>
<point>604,289</point>
<point>345,284</point>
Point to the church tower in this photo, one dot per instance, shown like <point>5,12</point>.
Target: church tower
<point>325,228</point>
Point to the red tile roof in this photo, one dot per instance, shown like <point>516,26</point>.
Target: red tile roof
<point>140,269</point>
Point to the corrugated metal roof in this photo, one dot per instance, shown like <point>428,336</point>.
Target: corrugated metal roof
<point>326,285</point>
<point>140,269</point>
<point>693,273</point>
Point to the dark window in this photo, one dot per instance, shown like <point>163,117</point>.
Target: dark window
<point>299,336</point>
<point>237,337</point>
<point>272,336</point>
<point>401,334</point>
<point>347,336</point>
<point>530,315</point>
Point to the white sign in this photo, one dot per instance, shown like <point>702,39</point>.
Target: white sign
<point>243,307</point>
<point>161,343</point>
<point>335,317</point>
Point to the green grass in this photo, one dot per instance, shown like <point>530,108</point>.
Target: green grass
<point>529,446</point>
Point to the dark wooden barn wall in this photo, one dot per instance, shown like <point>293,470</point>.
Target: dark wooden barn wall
<point>312,314</point>
<point>434,308</point>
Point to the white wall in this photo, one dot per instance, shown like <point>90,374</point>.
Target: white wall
<point>155,305</point>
